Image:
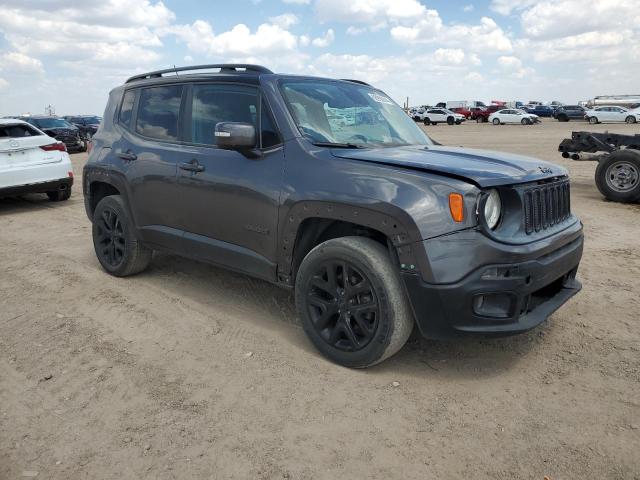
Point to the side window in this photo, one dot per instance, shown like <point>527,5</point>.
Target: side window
<point>270,137</point>
<point>212,104</point>
<point>158,112</point>
<point>127,108</point>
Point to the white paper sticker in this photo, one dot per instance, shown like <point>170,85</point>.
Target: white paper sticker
<point>380,98</point>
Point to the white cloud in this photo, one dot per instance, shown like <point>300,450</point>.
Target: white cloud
<point>509,62</point>
<point>506,7</point>
<point>286,20</point>
<point>325,40</point>
<point>297,2</point>
<point>367,11</point>
<point>17,62</point>
<point>468,8</point>
<point>351,30</point>
<point>268,38</point>
<point>3,83</point>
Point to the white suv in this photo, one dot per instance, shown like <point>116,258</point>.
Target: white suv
<point>433,116</point>
<point>32,162</point>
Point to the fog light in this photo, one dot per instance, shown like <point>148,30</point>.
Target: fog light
<point>496,305</point>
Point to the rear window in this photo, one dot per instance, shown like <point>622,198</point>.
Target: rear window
<point>158,112</point>
<point>17,131</point>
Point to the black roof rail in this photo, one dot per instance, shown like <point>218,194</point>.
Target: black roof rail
<point>224,68</point>
<point>355,81</point>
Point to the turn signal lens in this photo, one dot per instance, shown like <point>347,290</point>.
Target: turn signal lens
<point>456,207</point>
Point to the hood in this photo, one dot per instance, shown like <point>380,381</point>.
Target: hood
<point>485,168</point>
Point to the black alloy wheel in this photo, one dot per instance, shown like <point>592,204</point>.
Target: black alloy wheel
<point>110,238</point>
<point>343,306</point>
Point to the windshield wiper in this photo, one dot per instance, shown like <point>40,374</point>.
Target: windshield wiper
<point>337,145</point>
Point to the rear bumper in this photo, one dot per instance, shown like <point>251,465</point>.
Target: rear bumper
<point>39,187</point>
<point>497,299</point>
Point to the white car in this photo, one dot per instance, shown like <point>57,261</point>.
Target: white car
<point>611,114</point>
<point>32,162</point>
<point>513,115</point>
<point>433,116</point>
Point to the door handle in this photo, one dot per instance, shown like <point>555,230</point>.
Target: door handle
<point>128,155</point>
<point>192,166</point>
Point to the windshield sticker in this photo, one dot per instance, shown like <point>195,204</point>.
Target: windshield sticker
<point>380,98</point>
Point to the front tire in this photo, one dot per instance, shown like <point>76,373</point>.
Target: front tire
<point>525,121</point>
<point>426,121</point>
<point>351,302</point>
<point>618,176</point>
<point>118,250</point>
<point>630,119</point>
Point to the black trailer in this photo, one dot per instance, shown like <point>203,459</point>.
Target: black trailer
<point>618,157</point>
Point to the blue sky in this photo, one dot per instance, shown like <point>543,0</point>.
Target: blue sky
<point>70,53</point>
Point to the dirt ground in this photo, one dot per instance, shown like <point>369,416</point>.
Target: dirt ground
<point>188,371</point>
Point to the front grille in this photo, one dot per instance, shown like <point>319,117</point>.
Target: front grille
<point>546,205</point>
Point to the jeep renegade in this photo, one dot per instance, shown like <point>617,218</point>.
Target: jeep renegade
<point>328,187</point>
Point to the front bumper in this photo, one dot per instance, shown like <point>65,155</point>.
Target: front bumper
<point>499,298</point>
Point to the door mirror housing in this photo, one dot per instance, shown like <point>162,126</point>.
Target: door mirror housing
<point>235,135</point>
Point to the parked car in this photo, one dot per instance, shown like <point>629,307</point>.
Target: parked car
<point>373,225</point>
<point>481,115</point>
<point>565,113</point>
<point>59,129</point>
<point>539,110</point>
<point>511,115</point>
<point>434,116</point>
<point>607,114</point>
<point>32,162</point>
<point>86,124</point>
<point>465,112</point>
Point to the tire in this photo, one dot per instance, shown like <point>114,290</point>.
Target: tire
<point>593,120</point>
<point>450,121</point>
<point>416,118</point>
<point>118,250</point>
<point>630,119</point>
<point>321,302</point>
<point>59,195</point>
<point>496,121</point>
<point>525,121</point>
<point>426,121</point>
<point>479,120</point>
<point>458,122</point>
<point>618,176</point>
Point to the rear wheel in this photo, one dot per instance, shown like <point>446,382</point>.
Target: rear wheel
<point>118,250</point>
<point>59,195</point>
<point>450,120</point>
<point>618,176</point>
<point>593,120</point>
<point>351,302</point>
<point>496,121</point>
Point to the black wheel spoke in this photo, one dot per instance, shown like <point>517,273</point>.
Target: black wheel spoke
<point>110,238</point>
<point>351,336</point>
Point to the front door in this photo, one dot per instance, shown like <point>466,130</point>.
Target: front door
<point>229,200</point>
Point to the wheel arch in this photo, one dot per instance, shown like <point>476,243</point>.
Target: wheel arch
<point>310,223</point>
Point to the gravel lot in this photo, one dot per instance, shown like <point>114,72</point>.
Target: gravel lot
<point>189,371</point>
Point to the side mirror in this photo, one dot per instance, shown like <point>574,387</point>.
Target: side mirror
<point>235,135</point>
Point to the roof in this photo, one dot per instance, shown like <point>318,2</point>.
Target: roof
<point>10,121</point>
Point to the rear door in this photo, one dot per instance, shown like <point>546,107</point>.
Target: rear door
<point>230,203</point>
<point>149,151</point>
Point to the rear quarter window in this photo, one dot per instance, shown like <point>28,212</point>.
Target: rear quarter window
<point>126,109</point>
<point>159,112</point>
<point>18,130</point>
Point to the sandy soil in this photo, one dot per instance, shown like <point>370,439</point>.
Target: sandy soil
<point>189,371</point>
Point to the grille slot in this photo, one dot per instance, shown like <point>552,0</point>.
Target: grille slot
<point>546,205</point>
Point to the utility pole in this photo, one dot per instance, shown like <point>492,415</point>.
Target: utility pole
<point>50,110</point>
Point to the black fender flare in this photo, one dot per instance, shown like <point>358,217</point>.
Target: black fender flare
<point>394,223</point>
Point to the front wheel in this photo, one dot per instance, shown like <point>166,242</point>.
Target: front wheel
<point>496,121</point>
<point>426,121</point>
<point>618,176</point>
<point>630,119</point>
<point>525,121</point>
<point>351,302</point>
<point>118,250</point>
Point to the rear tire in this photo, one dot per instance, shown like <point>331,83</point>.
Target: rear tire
<point>118,250</point>
<point>496,121</point>
<point>593,120</point>
<point>360,319</point>
<point>450,121</point>
<point>618,176</point>
<point>59,195</point>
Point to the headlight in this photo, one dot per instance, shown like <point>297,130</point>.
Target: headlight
<point>492,208</point>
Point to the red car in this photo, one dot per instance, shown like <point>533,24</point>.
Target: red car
<point>463,111</point>
<point>481,114</point>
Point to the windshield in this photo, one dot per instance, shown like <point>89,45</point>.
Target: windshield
<point>346,114</point>
<point>91,120</point>
<point>51,123</point>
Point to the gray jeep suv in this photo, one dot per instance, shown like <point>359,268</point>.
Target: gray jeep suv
<point>328,187</point>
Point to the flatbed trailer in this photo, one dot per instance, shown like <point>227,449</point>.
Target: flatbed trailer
<point>618,172</point>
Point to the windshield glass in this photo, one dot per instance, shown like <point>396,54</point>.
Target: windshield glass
<point>349,114</point>
<point>91,120</point>
<point>52,123</point>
